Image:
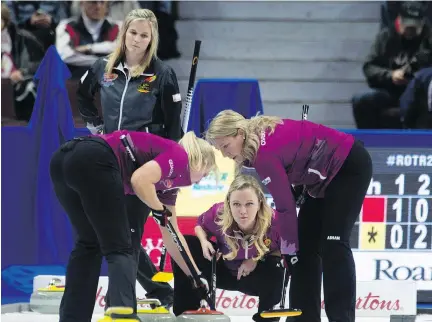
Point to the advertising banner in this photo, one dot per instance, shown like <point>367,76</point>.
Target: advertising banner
<point>374,299</point>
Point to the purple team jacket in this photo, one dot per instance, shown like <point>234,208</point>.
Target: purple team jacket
<point>170,156</point>
<point>298,153</point>
<point>207,221</point>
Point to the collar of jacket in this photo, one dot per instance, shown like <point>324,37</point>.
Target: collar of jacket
<point>150,71</point>
<point>235,232</point>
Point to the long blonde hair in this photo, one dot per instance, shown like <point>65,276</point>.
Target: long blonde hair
<point>200,153</point>
<point>226,221</point>
<point>120,50</point>
<point>5,14</point>
<point>229,123</point>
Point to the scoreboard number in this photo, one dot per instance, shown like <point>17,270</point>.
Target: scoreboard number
<point>421,224</point>
<point>422,232</point>
<point>421,210</point>
<point>400,182</point>
<point>397,207</point>
<point>407,211</point>
<point>396,236</point>
<point>424,188</point>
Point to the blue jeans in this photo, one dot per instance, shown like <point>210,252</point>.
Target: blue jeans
<point>416,101</point>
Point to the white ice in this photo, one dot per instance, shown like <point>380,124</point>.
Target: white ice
<point>34,317</point>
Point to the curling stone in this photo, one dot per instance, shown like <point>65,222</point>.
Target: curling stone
<point>47,300</point>
<point>151,310</point>
<point>119,314</point>
<point>203,315</point>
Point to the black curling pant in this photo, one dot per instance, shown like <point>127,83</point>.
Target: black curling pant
<point>325,227</point>
<point>88,184</point>
<point>138,213</point>
<point>137,210</point>
<point>265,281</point>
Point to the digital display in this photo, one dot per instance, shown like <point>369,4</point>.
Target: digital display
<point>397,211</point>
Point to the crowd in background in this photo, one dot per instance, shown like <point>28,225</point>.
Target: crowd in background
<point>82,31</point>
<point>398,69</point>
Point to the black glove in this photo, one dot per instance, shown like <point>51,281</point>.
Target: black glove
<point>202,288</point>
<point>161,216</point>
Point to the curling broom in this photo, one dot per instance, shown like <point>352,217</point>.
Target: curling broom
<point>190,89</point>
<point>162,276</point>
<point>282,311</point>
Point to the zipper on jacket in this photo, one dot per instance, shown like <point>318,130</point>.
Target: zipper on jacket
<point>122,99</point>
<point>246,248</point>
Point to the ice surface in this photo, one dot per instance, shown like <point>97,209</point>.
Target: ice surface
<point>35,317</point>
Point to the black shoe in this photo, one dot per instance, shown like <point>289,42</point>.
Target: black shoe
<point>166,299</point>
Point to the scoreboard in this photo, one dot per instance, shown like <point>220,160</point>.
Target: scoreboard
<point>397,211</point>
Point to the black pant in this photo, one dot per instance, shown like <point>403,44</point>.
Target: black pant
<point>265,281</point>
<point>325,227</point>
<point>372,110</point>
<point>88,184</point>
<point>139,212</point>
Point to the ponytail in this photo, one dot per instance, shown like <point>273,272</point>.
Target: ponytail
<point>200,153</point>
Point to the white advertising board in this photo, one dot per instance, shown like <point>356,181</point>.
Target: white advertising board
<point>395,266</point>
<point>374,299</point>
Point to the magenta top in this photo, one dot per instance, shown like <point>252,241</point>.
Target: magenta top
<point>298,153</point>
<point>171,157</point>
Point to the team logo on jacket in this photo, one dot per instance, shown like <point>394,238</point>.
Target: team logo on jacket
<point>266,181</point>
<point>150,79</point>
<point>144,87</point>
<point>263,138</point>
<point>171,165</point>
<point>108,79</point>
<point>167,183</point>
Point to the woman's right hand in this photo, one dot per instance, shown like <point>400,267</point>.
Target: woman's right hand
<point>16,76</point>
<point>207,249</point>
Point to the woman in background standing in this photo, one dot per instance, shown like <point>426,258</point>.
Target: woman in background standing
<point>138,92</point>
